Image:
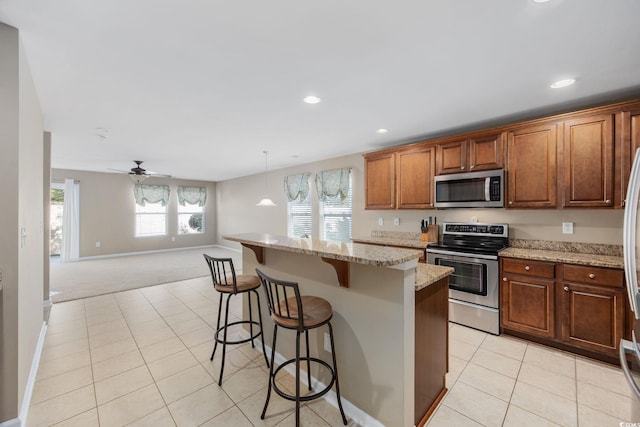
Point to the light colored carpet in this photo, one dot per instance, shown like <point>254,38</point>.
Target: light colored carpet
<point>87,278</point>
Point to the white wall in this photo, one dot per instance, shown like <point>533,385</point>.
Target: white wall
<point>237,212</point>
<point>21,187</point>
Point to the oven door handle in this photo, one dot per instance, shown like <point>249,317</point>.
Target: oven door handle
<point>461,254</point>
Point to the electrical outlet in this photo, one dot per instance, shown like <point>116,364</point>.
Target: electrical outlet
<point>173,239</point>
<point>567,228</point>
<point>98,244</point>
<point>396,221</point>
<point>380,221</point>
<point>327,342</point>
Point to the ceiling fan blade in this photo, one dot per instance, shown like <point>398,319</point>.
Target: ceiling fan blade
<point>117,170</point>
<point>158,175</point>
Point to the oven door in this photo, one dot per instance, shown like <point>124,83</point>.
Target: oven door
<point>475,277</point>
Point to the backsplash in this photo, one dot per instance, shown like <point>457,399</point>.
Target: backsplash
<point>587,248</point>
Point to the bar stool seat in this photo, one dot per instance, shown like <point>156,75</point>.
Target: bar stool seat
<point>300,313</point>
<point>227,282</point>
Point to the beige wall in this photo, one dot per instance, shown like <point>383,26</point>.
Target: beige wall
<point>107,214</point>
<point>21,184</point>
<point>237,212</point>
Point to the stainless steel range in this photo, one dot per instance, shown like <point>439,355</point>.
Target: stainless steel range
<point>472,250</point>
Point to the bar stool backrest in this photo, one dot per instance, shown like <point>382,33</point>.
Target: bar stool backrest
<point>222,272</point>
<point>278,293</point>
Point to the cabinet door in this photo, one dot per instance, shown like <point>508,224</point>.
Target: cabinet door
<point>588,162</point>
<point>486,153</point>
<point>380,181</point>
<point>593,317</point>
<point>415,178</point>
<point>527,305</point>
<point>531,164</point>
<point>451,157</point>
<point>628,127</point>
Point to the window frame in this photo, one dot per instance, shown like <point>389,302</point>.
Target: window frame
<point>139,214</point>
<point>323,215</point>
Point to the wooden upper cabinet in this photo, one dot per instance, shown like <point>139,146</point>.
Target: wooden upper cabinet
<point>380,181</point>
<point>452,157</point>
<point>589,161</point>
<point>415,171</point>
<point>484,152</point>
<point>531,167</point>
<point>628,127</point>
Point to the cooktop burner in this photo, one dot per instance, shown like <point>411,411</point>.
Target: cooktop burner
<point>473,238</point>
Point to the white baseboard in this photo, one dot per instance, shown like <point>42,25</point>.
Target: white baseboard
<point>28,391</point>
<point>350,410</point>
<point>15,422</point>
<point>154,252</point>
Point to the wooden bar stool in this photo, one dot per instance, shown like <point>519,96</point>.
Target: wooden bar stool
<point>226,282</point>
<point>290,310</point>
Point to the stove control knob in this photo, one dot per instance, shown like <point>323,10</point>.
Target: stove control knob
<point>526,267</point>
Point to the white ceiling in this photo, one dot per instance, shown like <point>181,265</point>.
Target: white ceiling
<point>199,88</point>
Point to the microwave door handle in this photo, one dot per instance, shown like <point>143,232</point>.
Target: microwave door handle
<point>487,187</point>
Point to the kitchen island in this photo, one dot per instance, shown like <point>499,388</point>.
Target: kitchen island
<point>390,321</point>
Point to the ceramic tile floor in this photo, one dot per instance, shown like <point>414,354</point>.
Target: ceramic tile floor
<point>141,358</point>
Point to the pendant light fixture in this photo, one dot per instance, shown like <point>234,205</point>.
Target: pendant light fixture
<point>266,201</point>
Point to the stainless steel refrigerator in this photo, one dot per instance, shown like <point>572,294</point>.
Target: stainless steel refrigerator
<point>631,242</point>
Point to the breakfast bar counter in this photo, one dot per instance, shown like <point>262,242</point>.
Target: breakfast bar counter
<point>390,321</point>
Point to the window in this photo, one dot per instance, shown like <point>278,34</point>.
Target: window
<point>151,219</point>
<point>190,218</point>
<point>335,217</point>
<point>299,217</point>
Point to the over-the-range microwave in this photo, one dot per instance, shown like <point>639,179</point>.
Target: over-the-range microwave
<point>470,190</point>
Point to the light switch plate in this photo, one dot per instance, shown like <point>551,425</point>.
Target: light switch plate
<point>380,221</point>
<point>567,228</point>
<point>396,221</point>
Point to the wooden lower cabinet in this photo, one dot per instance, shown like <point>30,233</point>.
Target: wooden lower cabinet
<point>527,297</point>
<point>579,308</point>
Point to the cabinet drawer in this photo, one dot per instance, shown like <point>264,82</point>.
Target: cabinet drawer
<point>593,275</point>
<point>529,268</point>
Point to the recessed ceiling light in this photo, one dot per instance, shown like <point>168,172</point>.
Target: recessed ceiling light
<point>563,83</point>
<point>311,99</point>
<point>382,130</point>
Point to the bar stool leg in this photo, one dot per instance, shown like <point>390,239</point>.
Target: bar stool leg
<point>215,345</point>
<point>224,342</point>
<point>250,318</point>
<point>297,378</point>
<point>264,350</point>
<point>335,371</point>
<point>271,379</point>
<point>308,361</point>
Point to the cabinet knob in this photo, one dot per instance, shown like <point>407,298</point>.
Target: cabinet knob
<point>592,276</point>
<point>526,267</point>
<point>472,166</point>
<point>510,202</point>
<point>566,289</point>
<point>504,279</point>
<point>462,167</point>
<point>608,202</point>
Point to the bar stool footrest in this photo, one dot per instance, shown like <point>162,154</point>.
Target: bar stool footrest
<point>239,322</point>
<point>308,396</point>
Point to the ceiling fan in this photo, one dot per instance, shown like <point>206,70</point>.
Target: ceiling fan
<point>138,174</point>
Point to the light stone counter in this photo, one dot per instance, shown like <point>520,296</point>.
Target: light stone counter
<point>393,241</point>
<point>596,260</point>
<point>427,274</point>
<point>380,256</point>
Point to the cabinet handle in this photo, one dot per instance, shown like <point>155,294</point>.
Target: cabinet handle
<point>462,167</point>
<point>504,279</point>
<point>566,289</point>
<point>472,166</point>
<point>526,267</point>
<point>592,276</point>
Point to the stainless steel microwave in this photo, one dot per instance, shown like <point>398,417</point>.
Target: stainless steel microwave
<point>470,190</point>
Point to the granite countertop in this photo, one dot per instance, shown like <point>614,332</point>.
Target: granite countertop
<point>596,260</point>
<point>427,274</point>
<point>381,256</point>
<point>393,241</point>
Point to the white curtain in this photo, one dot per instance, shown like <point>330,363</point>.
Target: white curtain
<point>70,250</point>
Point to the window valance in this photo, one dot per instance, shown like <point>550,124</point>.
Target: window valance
<point>144,193</point>
<point>333,183</point>
<point>192,195</point>
<point>296,187</point>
